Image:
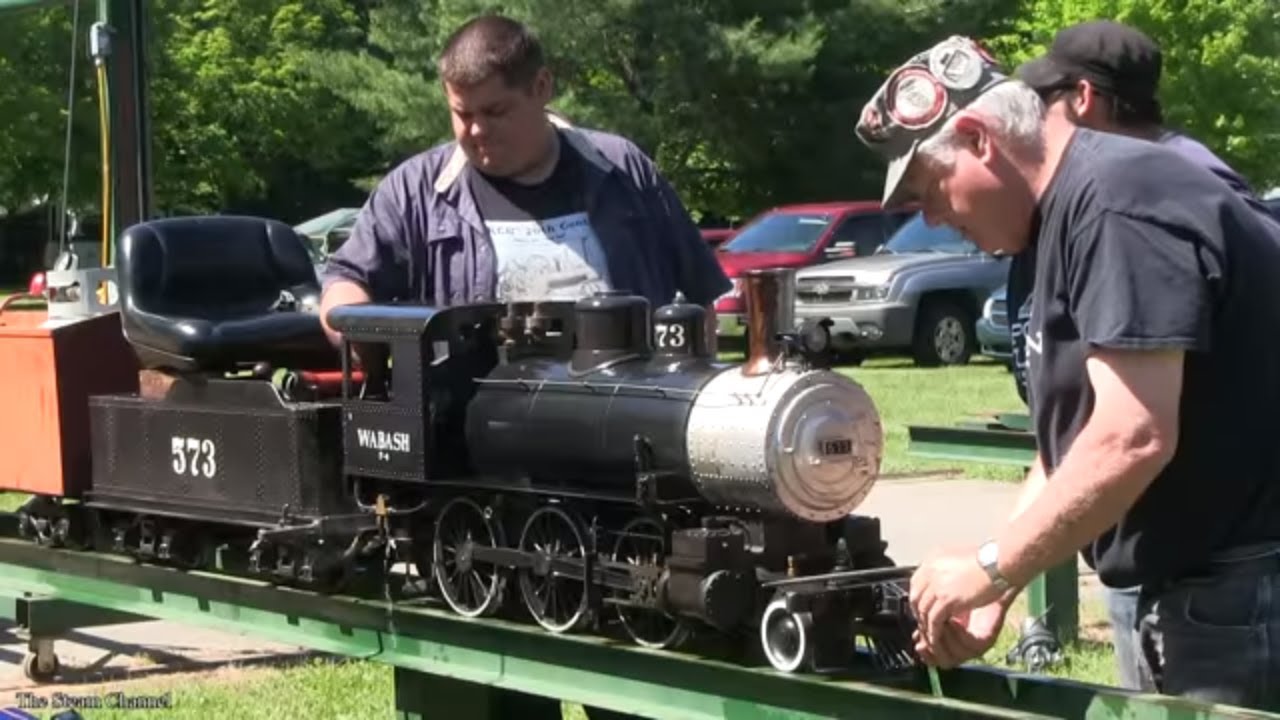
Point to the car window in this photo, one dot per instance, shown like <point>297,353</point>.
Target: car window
<point>859,235</point>
<point>917,237</point>
<point>780,232</point>
<point>1273,204</point>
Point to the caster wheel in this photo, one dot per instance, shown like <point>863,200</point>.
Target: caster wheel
<point>37,671</point>
<point>787,637</point>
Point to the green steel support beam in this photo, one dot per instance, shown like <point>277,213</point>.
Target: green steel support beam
<point>50,617</point>
<point>511,662</point>
<point>1003,447</point>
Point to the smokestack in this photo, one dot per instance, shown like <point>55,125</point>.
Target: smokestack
<point>771,301</point>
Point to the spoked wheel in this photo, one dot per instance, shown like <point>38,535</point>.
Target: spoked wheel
<point>558,603</point>
<point>642,543</point>
<point>787,637</point>
<point>472,589</point>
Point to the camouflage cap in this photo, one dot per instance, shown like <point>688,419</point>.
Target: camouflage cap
<point>917,100</point>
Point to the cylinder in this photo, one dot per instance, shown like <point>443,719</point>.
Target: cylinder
<point>770,296</point>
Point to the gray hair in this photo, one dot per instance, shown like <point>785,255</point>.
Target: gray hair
<point>1015,113</point>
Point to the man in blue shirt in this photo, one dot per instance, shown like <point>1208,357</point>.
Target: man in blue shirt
<point>1105,76</point>
<point>520,205</point>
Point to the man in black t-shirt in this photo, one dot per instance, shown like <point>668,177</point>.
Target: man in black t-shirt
<point>1152,371</point>
<point>1105,75</point>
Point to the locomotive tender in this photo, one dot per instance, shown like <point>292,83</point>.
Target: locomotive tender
<point>591,456</point>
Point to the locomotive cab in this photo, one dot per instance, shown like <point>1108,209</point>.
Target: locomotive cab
<point>213,308</point>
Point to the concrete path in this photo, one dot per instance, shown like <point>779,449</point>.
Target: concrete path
<point>918,516</point>
<point>132,651</point>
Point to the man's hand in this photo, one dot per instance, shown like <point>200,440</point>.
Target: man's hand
<point>964,636</point>
<point>944,589</point>
<point>342,292</point>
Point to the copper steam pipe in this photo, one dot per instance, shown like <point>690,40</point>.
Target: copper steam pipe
<point>770,298</point>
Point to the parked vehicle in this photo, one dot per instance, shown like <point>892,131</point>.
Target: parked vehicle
<point>326,233</point>
<point>921,292</point>
<point>1273,204</point>
<point>716,236</point>
<point>797,236</point>
<point>994,339</point>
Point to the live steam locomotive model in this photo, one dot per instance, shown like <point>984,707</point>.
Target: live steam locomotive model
<point>590,461</point>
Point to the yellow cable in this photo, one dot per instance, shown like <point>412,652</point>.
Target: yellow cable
<point>104,130</point>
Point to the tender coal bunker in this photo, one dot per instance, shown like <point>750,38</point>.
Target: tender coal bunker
<point>611,326</point>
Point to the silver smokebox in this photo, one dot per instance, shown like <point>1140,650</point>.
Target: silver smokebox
<point>781,437</point>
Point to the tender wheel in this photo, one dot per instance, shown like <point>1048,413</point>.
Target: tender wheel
<point>472,589</point>
<point>40,672</point>
<point>557,602</point>
<point>642,543</point>
<point>787,637</point>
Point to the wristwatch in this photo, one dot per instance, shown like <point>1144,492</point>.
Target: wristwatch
<point>988,556</point>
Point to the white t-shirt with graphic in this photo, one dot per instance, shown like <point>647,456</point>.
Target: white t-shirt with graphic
<point>546,249</point>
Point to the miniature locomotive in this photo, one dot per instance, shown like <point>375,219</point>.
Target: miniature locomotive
<point>591,456</point>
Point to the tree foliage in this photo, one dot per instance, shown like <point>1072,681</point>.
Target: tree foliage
<point>292,107</point>
<point>1221,79</point>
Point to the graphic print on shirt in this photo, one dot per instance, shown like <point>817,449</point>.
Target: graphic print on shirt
<point>542,237</point>
<point>556,259</point>
<point>1025,341</point>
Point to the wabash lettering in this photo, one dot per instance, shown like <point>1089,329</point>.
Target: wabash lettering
<point>382,440</point>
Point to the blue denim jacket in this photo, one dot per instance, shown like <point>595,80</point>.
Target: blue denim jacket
<point>419,237</point>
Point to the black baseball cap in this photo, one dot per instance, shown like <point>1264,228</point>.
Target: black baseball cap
<point>1118,60</point>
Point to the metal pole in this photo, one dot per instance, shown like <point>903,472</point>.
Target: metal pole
<point>129,112</point>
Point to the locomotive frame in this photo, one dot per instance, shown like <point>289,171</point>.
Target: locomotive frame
<point>250,443</point>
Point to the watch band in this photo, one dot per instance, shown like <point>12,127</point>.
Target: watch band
<point>988,559</point>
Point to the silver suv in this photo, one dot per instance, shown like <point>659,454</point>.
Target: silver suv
<point>921,292</point>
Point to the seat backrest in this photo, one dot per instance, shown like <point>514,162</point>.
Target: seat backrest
<point>212,267</point>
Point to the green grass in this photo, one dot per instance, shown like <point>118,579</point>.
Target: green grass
<point>907,395</point>
<point>342,690</point>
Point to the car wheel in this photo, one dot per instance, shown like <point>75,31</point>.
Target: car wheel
<point>944,335</point>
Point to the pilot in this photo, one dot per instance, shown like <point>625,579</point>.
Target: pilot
<point>1150,279</point>
<point>520,206</point>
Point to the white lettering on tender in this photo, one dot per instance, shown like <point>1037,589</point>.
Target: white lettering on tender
<point>195,455</point>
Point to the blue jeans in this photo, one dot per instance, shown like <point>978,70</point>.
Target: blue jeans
<point>1122,606</point>
<point>1213,637</point>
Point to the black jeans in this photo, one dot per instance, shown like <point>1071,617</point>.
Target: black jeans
<point>1216,637</point>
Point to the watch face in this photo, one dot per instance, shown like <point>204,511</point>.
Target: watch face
<point>987,553</point>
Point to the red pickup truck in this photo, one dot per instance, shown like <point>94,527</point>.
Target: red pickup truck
<point>797,236</point>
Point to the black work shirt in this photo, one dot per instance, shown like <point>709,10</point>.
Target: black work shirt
<point>1135,247</point>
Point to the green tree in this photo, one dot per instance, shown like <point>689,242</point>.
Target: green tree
<point>35,76</point>
<point>1221,67</point>
<point>742,103</point>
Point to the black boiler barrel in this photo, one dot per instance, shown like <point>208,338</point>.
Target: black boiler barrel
<point>535,420</point>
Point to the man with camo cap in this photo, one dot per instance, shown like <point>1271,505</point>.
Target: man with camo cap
<point>1150,281</point>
